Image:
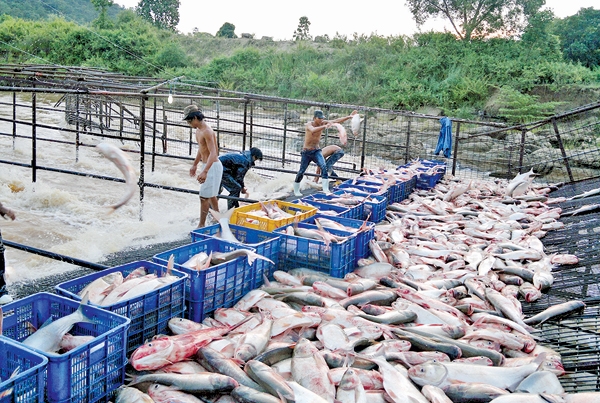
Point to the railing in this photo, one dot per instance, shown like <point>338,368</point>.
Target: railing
<point>563,148</point>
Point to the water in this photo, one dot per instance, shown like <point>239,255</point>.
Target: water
<point>68,214</point>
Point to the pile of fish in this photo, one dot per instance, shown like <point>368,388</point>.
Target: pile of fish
<point>434,315</point>
<point>114,288</point>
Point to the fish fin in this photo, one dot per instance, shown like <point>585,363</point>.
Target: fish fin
<point>84,302</point>
<point>540,360</point>
<point>170,265</point>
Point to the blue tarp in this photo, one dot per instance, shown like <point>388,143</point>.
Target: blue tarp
<point>445,140</point>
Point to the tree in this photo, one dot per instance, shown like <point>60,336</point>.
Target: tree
<point>301,33</point>
<point>102,6</point>
<point>477,18</point>
<point>227,30</point>
<point>580,36</point>
<point>163,14</point>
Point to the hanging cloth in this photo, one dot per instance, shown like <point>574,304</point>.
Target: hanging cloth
<point>445,140</point>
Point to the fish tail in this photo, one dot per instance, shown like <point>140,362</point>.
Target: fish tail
<point>84,302</point>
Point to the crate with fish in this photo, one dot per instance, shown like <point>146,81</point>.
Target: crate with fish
<point>265,243</point>
<point>374,205</point>
<point>147,293</point>
<point>22,373</point>
<point>351,186</point>
<point>354,205</point>
<point>324,208</point>
<point>220,273</point>
<point>303,245</point>
<point>269,215</point>
<point>85,345</point>
<point>363,230</point>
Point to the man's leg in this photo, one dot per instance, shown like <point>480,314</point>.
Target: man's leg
<point>204,205</point>
<point>4,297</point>
<point>304,162</point>
<point>332,159</point>
<point>234,189</point>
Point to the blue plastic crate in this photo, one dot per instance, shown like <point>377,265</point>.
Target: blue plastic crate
<point>219,286</point>
<point>361,248</point>
<point>149,313</point>
<point>354,211</point>
<point>265,243</point>
<point>29,384</point>
<point>335,259</point>
<point>375,205</point>
<point>89,373</point>
<point>410,186</point>
<point>340,211</point>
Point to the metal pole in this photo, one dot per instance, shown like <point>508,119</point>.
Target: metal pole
<point>522,149</point>
<point>244,131</point>
<point>153,136</point>
<point>14,118</point>
<point>218,106</point>
<point>285,120</point>
<point>33,137</point>
<point>77,139</point>
<point>364,144</point>
<point>142,152</point>
<point>55,256</point>
<point>164,133</point>
<point>562,150</point>
<point>407,154</point>
<point>251,121</point>
<point>455,161</point>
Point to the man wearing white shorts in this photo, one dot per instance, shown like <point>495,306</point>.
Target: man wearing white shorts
<point>211,168</point>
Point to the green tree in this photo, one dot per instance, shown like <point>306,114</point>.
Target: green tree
<point>301,33</point>
<point>163,14</point>
<point>102,6</point>
<point>227,30</point>
<point>580,36</point>
<point>477,18</point>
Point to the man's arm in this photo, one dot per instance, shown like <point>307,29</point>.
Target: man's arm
<point>343,119</point>
<point>198,156</point>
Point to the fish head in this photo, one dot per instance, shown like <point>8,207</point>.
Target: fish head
<point>304,348</point>
<point>152,355</point>
<point>157,391</point>
<point>429,373</point>
<point>554,365</point>
<point>245,352</point>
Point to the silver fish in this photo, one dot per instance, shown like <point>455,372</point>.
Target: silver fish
<point>223,220</point>
<point>120,159</point>
<point>556,311</point>
<point>47,338</point>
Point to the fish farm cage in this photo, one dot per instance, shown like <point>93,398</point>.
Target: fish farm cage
<point>143,116</point>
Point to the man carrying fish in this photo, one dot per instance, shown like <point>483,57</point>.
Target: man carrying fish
<point>5,298</point>
<point>235,167</point>
<point>311,150</point>
<point>211,169</point>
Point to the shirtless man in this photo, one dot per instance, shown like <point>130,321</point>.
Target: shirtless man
<point>211,169</point>
<point>311,150</point>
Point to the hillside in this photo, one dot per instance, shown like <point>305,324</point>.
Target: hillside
<point>79,11</point>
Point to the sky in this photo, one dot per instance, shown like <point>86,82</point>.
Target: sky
<point>280,19</point>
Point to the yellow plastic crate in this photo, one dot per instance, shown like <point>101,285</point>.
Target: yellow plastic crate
<point>242,215</point>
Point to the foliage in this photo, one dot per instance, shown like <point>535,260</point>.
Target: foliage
<point>80,11</point>
<point>580,37</point>
<point>302,32</point>
<point>227,30</point>
<point>477,18</point>
<point>163,14</point>
<point>102,6</point>
<point>516,107</point>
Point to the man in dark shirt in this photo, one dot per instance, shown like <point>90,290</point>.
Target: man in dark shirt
<point>235,167</point>
<point>5,297</point>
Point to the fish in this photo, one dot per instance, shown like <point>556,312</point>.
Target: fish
<point>245,394</point>
<point>170,349</point>
<point>222,257</point>
<point>589,193</point>
<point>309,370</point>
<point>555,312</point>
<point>473,392</point>
<point>435,394</point>
<point>166,394</point>
<point>254,342</point>
<point>126,394</point>
<point>270,380</point>
<point>341,132</point>
<point>70,342</point>
<point>100,287</point>
<point>193,383</point>
<point>223,220</point>
<point>48,337</point>
<point>583,209</point>
<point>120,159</point>
<point>355,124</point>
<point>351,389</point>
<point>445,374</point>
<point>541,382</point>
<point>305,395</point>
